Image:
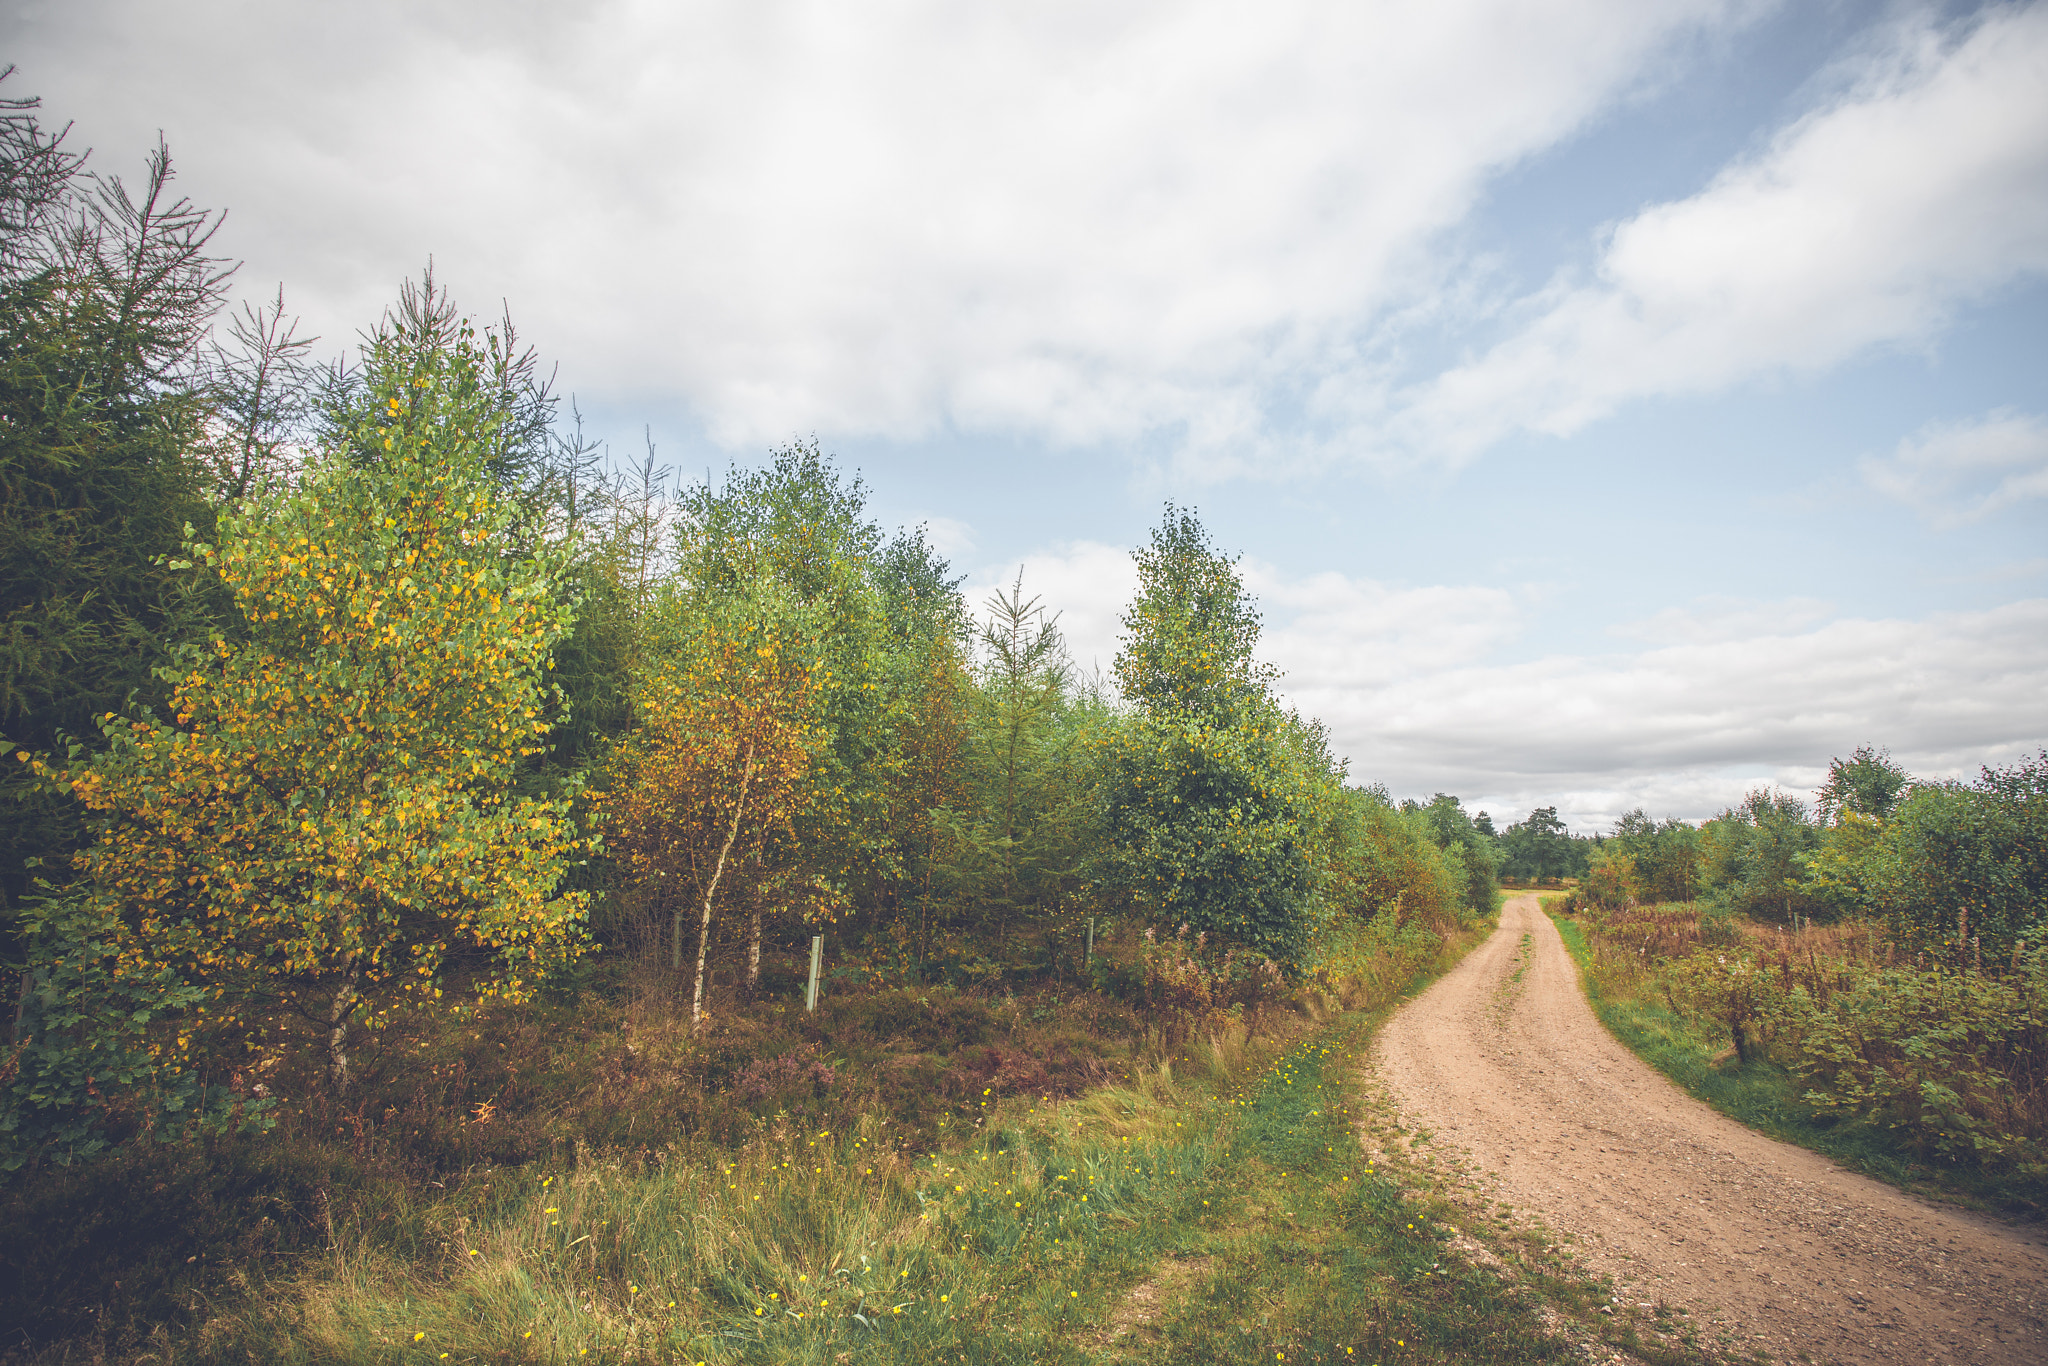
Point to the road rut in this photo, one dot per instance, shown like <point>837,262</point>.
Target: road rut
<point>1503,1063</point>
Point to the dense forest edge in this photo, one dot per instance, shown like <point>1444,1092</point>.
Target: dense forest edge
<point>409,815</point>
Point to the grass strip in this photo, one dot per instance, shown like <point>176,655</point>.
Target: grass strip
<point>805,1248</point>
<point>1024,1248</point>
<point>1310,1254</point>
<point>1216,1206</point>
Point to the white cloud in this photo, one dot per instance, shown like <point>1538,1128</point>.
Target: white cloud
<point>1323,626</point>
<point>950,536</point>
<point>1085,584</point>
<point>1080,222</point>
<point>1371,633</point>
<point>1685,728</point>
<point>1714,619</point>
<point>1959,472</point>
<point>1924,186</point>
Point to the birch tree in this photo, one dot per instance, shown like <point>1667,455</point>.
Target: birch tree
<point>330,804</point>
<point>704,798</point>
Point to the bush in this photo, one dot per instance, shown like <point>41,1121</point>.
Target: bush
<point>1952,1061</point>
<point>1609,884</point>
<point>1964,870</point>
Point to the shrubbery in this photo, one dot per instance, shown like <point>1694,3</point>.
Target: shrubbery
<point>1959,869</point>
<point>1888,949</point>
<point>1952,1059</point>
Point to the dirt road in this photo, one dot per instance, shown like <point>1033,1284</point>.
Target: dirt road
<point>1504,1063</point>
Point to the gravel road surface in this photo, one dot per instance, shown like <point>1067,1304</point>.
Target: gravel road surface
<point>1504,1065</point>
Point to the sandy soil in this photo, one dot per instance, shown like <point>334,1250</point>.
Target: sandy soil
<point>1503,1064</point>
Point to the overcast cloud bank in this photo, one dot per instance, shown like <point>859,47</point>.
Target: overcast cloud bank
<point>1090,225</point>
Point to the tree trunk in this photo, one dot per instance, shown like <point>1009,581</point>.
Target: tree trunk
<point>21,1005</point>
<point>345,999</point>
<point>754,956</point>
<point>711,889</point>
<point>924,903</point>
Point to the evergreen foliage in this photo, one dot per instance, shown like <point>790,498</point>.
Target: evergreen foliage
<point>104,301</point>
<point>1215,797</point>
<point>35,179</point>
<point>1538,848</point>
<point>1017,848</point>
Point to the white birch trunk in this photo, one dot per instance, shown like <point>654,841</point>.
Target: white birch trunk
<point>754,955</point>
<point>337,1030</point>
<point>711,889</point>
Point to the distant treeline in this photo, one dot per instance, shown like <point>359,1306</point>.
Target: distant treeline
<point>1945,864</point>
<point>1538,848</point>
<point>1954,869</point>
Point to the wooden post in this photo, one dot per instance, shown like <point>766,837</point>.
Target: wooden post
<point>817,958</point>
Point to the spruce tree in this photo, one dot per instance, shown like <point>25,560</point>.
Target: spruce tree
<point>105,300</point>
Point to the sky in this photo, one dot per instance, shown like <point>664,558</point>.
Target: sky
<point>1615,403</point>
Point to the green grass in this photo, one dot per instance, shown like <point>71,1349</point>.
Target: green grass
<point>1214,1205</point>
<point>1251,1211</point>
<point>156,1239</point>
<point>1309,1254</point>
<point>1767,1097</point>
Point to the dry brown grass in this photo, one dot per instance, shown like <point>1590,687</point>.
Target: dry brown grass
<point>1633,943</point>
